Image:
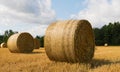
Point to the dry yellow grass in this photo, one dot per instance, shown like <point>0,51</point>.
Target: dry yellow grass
<point>106,59</point>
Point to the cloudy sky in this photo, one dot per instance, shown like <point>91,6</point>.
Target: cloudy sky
<point>34,16</point>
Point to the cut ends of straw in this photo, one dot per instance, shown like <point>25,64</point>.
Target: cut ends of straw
<point>21,43</point>
<point>3,45</point>
<point>70,41</point>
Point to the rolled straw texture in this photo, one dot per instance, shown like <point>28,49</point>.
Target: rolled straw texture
<point>70,41</point>
<point>3,45</point>
<point>36,43</point>
<point>21,43</point>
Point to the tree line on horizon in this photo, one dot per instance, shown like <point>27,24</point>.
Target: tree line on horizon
<point>8,33</point>
<point>109,34</point>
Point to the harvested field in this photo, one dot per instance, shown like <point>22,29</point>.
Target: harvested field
<point>106,59</point>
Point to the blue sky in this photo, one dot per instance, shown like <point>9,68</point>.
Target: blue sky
<point>34,16</point>
<point>64,8</point>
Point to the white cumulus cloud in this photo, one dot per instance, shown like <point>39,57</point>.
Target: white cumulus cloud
<point>16,13</point>
<point>100,12</point>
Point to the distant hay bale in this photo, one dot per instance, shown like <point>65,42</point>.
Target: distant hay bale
<point>70,41</point>
<point>36,43</point>
<point>105,44</point>
<point>21,43</point>
<point>3,45</point>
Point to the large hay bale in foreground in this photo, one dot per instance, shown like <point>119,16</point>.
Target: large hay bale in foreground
<point>36,43</point>
<point>21,43</point>
<point>3,45</point>
<point>70,41</point>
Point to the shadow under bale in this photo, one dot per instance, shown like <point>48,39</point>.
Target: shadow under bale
<point>99,62</point>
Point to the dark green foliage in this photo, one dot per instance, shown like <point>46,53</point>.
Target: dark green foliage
<point>98,36</point>
<point>7,34</point>
<point>108,34</point>
<point>41,39</point>
<point>1,38</point>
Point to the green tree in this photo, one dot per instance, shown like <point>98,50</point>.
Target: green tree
<point>7,34</point>
<point>41,39</point>
<point>98,36</point>
<point>116,34</point>
<point>108,34</point>
<point>1,38</point>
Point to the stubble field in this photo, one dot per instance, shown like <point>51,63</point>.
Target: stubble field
<point>106,59</point>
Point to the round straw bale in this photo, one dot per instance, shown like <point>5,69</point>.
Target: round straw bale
<point>36,43</point>
<point>3,45</point>
<point>105,44</point>
<point>21,43</point>
<point>70,41</point>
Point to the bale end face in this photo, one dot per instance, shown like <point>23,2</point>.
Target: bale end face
<point>21,43</point>
<point>70,41</point>
<point>3,45</point>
